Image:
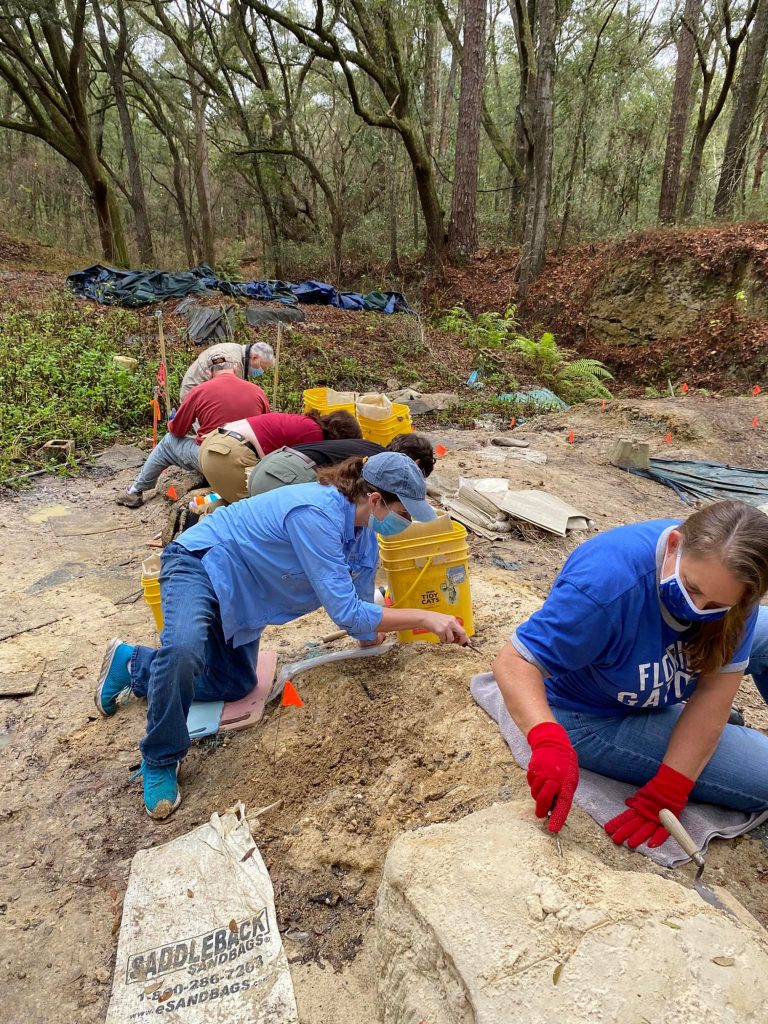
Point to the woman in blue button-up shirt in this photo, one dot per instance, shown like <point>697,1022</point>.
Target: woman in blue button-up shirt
<point>263,561</point>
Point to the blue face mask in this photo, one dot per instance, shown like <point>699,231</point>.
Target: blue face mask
<point>391,524</point>
<point>678,603</point>
<point>255,371</point>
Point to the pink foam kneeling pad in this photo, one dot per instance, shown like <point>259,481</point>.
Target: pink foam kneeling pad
<point>239,714</point>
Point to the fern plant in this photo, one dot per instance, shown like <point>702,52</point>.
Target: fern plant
<point>487,330</point>
<point>574,380</point>
<point>544,355</point>
<point>583,379</point>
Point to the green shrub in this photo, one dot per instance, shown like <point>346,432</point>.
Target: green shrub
<point>58,379</point>
<point>574,380</point>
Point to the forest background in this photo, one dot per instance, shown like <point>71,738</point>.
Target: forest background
<point>331,138</point>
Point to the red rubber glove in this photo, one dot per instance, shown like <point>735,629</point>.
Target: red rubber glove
<point>667,788</point>
<point>553,772</point>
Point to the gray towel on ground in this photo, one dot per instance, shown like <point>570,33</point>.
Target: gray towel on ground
<point>603,798</point>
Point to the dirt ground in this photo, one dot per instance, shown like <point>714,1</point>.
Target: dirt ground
<point>381,746</point>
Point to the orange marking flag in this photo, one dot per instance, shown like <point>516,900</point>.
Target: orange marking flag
<point>668,439</point>
<point>155,420</point>
<point>440,449</point>
<point>171,493</point>
<point>756,390</point>
<point>571,437</point>
<point>755,421</point>
<point>291,698</point>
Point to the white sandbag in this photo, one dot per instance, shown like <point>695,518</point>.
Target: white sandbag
<point>199,940</point>
<point>334,398</point>
<point>373,406</point>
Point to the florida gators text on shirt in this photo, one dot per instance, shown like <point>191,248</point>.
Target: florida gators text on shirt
<point>602,639</point>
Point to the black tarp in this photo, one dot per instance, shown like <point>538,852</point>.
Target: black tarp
<point>111,286</point>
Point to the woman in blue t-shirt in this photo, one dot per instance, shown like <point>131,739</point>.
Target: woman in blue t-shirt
<point>631,665</point>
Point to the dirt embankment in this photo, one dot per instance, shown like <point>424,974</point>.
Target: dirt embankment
<point>690,305</point>
<point>682,305</point>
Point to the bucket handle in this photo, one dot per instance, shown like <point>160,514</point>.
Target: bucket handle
<point>409,591</point>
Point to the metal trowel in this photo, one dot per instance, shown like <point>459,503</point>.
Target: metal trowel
<point>679,833</point>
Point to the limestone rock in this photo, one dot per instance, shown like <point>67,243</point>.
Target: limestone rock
<point>481,922</point>
<point>126,363</point>
<point>420,403</point>
<point>630,453</point>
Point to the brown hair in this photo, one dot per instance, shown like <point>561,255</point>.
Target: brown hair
<point>737,535</point>
<point>336,426</point>
<point>347,477</point>
<point>416,447</point>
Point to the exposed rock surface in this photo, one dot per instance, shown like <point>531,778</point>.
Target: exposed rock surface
<point>482,922</point>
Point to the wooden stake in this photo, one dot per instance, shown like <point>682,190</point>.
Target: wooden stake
<point>163,360</point>
<point>276,380</point>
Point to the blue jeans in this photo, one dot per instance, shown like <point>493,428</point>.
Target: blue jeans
<point>758,659</point>
<point>631,747</point>
<point>194,661</point>
<point>170,451</point>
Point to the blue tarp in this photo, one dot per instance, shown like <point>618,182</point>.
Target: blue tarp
<point>110,286</point>
<point>708,481</point>
<point>542,398</point>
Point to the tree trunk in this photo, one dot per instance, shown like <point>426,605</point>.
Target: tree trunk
<point>445,119</point>
<point>111,234</point>
<point>430,79</point>
<point>425,186</point>
<point>578,134</point>
<point>273,229</point>
<point>392,205</point>
<point>202,172</point>
<point>762,149</point>
<point>678,117</point>
<point>740,128</point>
<point>523,19</point>
<point>697,146</point>
<point>540,184</point>
<point>114,66</point>
<point>706,120</point>
<point>462,231</point>
<point>180,200</point>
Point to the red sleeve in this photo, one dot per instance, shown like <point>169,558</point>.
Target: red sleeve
<point>185,416</point>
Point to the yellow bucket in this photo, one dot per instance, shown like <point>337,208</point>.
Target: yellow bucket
<point>382,431</point>
<point>427,566</point>
<point>150,583</point>
<point>325,400</point>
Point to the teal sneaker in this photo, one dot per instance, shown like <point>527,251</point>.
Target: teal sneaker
<point>161,790</point>
<point>113,689</point>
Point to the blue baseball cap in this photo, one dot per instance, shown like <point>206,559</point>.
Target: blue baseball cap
<point>396,473</point>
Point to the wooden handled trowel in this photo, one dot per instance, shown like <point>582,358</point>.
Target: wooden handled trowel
<point>678,832</point>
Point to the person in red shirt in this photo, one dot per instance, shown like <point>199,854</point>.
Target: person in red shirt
<point>224,397</point>
<point>229,453</point>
